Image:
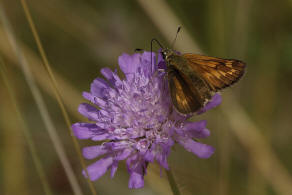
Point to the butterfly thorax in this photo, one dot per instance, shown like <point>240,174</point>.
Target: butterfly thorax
<point>175,60</point>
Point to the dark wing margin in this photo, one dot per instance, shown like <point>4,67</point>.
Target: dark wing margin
<point>184,97</point>
<point>216,72</point>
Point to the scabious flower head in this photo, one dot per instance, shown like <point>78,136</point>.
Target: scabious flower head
<point>133,119</point>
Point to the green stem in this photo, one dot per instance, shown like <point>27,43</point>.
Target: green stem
<point>172,183</point>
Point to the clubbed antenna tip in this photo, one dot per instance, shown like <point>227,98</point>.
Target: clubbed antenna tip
<point>178,29</point>
<point>138,49</point>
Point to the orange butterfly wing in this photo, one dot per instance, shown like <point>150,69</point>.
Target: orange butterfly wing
<point>216,72</point>
<point>184,95</point>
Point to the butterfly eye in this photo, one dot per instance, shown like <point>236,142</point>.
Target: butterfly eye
<point>163,55</point>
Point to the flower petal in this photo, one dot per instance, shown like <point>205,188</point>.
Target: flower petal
<point>129,64</point>
<point>159,56</point>
<point>92,152</point>
<point>149,156</point>
<point>197,129</point>
<point>136,168</point>
<point>215,101</point>
<point>164,151</point>
<point>89,130</point>
<point>107,73</point>
<point>84,130</point>
<point>98,87</point>
<point>124,154</point>
<point>111,76</point>
<point>199,149</point>
<point>89,96</point>
<point>162,160</point>
<point>136,180</point>
<point>100,137</point>
<point>148,69</point>
<point>89,111</point>
<point>199,125</point>
<point>99,168</point>
<point>94,99</point>
<point>114,168</point>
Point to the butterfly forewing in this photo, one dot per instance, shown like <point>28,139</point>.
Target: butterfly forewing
<point>216,72</point>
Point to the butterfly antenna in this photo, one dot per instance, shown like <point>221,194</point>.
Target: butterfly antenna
<point>152,41</point>
<point>178,29</point>
<point>138,49</point>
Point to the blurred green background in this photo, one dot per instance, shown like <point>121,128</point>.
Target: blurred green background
<point>251,130</point>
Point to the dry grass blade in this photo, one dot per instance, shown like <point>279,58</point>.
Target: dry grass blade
<point>14,152</point>
<point>260,151</point>
<point>173,183</point>
<point>23,127</point>
<point>41,106</point>
<point>72,96</point>
<point>56,90</point>
<point>154,179</point>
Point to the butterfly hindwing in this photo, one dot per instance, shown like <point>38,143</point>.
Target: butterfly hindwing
<point>184,95</point>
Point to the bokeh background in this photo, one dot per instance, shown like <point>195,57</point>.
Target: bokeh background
<point>251,130</point>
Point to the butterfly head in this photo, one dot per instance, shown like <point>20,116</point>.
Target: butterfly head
<point>166,53</point>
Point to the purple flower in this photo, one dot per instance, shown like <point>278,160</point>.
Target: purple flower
<point>136,121</point>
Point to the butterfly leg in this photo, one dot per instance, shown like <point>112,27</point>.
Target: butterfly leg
<point>161,70</point>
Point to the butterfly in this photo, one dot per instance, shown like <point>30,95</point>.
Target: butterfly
<point>193,79</point>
